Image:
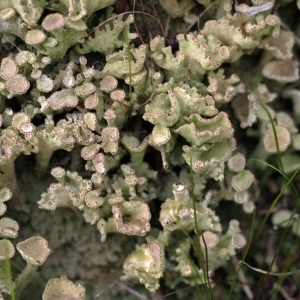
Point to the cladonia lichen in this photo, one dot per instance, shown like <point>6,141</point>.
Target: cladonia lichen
<point>100,125</point>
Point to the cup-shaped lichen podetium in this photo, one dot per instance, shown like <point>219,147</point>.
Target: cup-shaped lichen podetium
<point>63,288</point>
<point>5,195</point>
<point>132,217</point>
<point>283,137</point>
<point>147,264</point>
<point>9,228</point>
<point>35,251</point>
<point>7,249</point>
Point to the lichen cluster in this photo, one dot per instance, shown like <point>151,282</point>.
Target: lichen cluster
<point>113,115</point>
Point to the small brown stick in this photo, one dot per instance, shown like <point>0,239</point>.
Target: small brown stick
<point>124,287</point>
<point>242,278</point>
<point>199,17</point>
<point>167,26</point>
<point>158,21</point>
<point>122,14</point>
<point>130,109</point>
<point>11,42</point>
<point>148,100</point>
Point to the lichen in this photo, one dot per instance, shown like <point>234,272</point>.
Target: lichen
<point>140,138</point>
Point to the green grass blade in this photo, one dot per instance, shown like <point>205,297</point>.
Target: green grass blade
<point>8,273</point>
<point>245,254</point>
<point>295,192</point>
<point>286,186</point>
<point>203,265</point>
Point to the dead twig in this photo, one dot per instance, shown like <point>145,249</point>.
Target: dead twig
<point>200,16</point>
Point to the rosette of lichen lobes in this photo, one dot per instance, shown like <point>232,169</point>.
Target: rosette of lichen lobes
<point>171,103</point>
<point>205,51</point>
<point>63,288</point>
<point>196,55</point>
<point>178,111</point>
<point>242,37</point>
<point>230,34</point>
<point>199,131</point>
